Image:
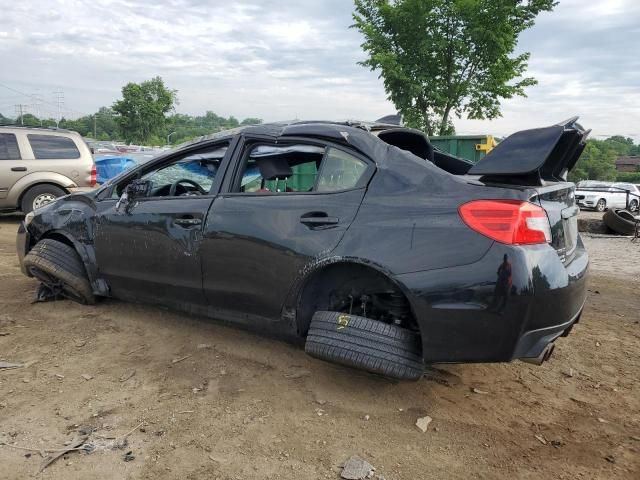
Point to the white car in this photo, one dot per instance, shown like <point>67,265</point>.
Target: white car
<point>603,195</point>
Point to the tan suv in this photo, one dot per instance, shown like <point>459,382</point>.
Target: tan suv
<point>38,165</point>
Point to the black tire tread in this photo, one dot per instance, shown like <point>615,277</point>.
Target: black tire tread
<point>367,344</point>
<point>61,261</point>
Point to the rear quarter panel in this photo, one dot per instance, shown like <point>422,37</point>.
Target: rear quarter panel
<point>409,219</point>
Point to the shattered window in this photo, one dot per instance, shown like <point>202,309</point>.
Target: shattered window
<point>201,168</point>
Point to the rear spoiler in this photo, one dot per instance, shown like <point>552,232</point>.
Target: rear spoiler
<point>535,156</point>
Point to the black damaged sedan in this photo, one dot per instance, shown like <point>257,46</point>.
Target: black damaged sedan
<point>359,239</point>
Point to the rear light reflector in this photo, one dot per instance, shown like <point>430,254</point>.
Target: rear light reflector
<point>513,222</point>
<point>94,176</point>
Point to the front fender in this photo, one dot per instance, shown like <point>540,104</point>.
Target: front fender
<point>71,221</point>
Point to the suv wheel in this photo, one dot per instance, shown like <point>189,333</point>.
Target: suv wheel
<point>633,206</point>
<point>601,206</point>
<point>38,196</point>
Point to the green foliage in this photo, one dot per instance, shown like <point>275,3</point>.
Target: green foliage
<point>628,177</point>
<point>187,127</point>
<point>598,161</point>
<point>444,57</point>
<point>251,121</point>
<point>141,114</point>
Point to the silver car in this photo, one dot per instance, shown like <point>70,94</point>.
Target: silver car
<point>38,165</point>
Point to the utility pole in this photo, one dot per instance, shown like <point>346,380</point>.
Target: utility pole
<point>37,102</point>
<point>59,96</point>
<point>20,108</point>
<point>94,126</point>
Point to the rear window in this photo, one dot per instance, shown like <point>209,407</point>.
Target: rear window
<point>9,147</point>
<point>52,147</point>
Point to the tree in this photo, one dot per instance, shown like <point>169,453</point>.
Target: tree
<point>141,114</point>
<point>444,57</point>
<point>251,121</point>
<point>597,162</point>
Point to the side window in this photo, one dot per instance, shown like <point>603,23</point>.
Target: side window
<point>192,174</point>
<point>340,171</point>
<point>9,147</point>
<point>298,168</point>
<point>281,168</point>
<point>53,147</point>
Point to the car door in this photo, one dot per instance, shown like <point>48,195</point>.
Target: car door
<point>622,188</point>
<point>149,249</point>
<point>272,219</point>
<point>12,165</point>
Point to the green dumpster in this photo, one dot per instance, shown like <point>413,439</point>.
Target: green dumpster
<point>469,147</point>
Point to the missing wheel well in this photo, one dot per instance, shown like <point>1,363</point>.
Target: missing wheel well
<point>355,289</point>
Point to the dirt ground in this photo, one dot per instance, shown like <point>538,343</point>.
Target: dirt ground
<point>203,400</point>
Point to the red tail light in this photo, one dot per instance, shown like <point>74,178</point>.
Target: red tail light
<point>507,221</point>
<point>94,176</point>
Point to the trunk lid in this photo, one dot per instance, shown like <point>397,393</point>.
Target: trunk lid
<point>533,157</point>
<point>541,159</point>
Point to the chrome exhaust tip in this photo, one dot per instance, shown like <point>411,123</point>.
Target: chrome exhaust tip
<point>543,357</point>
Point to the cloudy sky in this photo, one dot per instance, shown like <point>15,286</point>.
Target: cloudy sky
<point>283,59</point>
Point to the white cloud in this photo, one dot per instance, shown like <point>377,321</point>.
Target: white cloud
<point>280,59</point>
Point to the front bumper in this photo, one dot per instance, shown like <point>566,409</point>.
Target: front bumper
<point>584,203</point>
<point>23,240</point>
<point>465,316</point>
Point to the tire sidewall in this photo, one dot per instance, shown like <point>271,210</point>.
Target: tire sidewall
<point>26,204</point>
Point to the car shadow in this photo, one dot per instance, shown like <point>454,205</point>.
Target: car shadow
<point>12,217</point>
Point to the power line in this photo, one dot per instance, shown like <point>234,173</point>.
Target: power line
<point>70,110</point>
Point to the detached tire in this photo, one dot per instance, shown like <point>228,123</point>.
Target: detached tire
<point>57,264</point>
<point>620,221</point>
<point>367,344</point>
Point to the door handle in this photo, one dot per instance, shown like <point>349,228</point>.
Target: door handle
<point>318,219</point>
<point>18,169</point>
<point>187,221</point>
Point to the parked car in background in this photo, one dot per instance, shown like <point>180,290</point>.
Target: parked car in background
<point>604,195</point>
<point>38,165</point>
<point>103,148</point>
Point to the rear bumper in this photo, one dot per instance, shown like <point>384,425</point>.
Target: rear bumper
<point>466,316</point>
<point>23,240</point>
<point>533,342</point>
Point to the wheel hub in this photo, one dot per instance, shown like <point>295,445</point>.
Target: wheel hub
<point>42,199</point>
